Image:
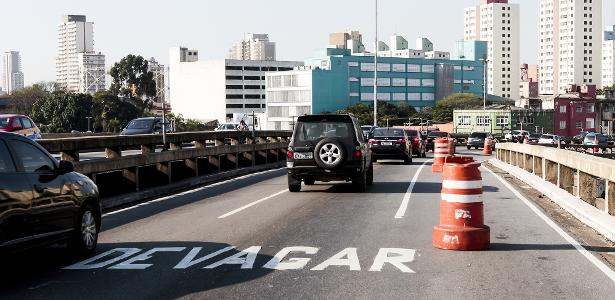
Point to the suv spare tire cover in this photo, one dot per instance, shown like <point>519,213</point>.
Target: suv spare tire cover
<point>329,153</point>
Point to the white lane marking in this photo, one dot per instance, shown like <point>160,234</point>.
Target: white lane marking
<point>455,198</point>
<point>251,204</point>
<point>594,260</point>
<point>189,192</point>
<point>404,203</point>
<point>400,257</point>
<point>461,184</point>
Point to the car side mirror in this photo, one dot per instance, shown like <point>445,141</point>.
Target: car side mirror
<point>65,167</point>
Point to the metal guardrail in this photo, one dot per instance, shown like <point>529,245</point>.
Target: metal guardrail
<point>212,154</point>
<point>585,176</point>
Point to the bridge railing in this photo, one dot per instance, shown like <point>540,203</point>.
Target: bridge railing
<point>211,156</point>
<point>588,177</point>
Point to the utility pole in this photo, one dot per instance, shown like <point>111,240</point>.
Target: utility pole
<point>376,71</point>
<point>89,118</point>
<point>484,88</point>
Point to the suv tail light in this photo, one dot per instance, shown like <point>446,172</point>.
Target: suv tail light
<point>372,142</point>
<point>290,154</point>
<point>415,140</point>
<point>357,153</point>
<point>400,141</point>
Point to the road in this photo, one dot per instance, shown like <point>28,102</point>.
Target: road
<point>343,245</point>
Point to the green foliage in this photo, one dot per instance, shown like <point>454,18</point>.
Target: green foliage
<point>62,111</point>
<point>185,125</point>
<point>111,113</point>
<point>24,99</point>
<point>132,79</point>
<point>603,90</point>
<point>443,112</point>
<point>395,114</point>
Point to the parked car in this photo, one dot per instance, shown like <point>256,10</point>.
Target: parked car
<point>432,135</point>
<point>534,138</point>
<point>390,143</point>
<point>477,140</point>
<point>43,201</point>
<point>367,129</point>
<point>549,139</point>
<point>150,125</point>
<point>227,127</point>
<point>580,138</point>
<point>329,148</point>
<point>595,139</point>
<point>21,125</point>
<point>516,135</point>
<point>419,144</point>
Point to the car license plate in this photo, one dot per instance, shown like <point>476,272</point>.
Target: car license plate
<point>305,155</point>
<point>387,143</point>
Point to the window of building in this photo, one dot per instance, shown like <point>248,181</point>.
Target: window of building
<point>367,67</point>
<point>367,81</point>
<point>382,67</point>
<point>414,96</point>
<point>234,96</point>
<point>384,81</point>
<point>399,96</point>
<point>501,120</point>
<point>414,68</point>
<point>578,124</point>
<point>253,106</point>
<point>428,82</point>
<point>428,96</point>
<point>234,106</point>
<point>428,68</point>
<point>464,120</point>
<point>579,108</point>
<point>590,108</point>
<point>483,120</point>
<point>589,123</point>
<point>562,124</point>
<point>399,81</point>
<point>399,68</point>
<point>414,82</point>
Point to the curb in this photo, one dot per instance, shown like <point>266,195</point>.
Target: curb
<point>600,221</point>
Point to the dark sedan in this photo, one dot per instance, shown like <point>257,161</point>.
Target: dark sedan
<point>419,145</point>
<point>43,201</point>
<point>390,143</point>
<point>477,140</point>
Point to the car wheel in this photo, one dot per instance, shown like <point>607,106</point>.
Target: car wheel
<point>476,147</point>
<point>469,147</point>
<point>294,185</point>
<point>359,183</point>
<point>85,238</point>
<point>329,153</point>
<point>408,160</point>
<point>309,181</point>
<point>370,175</point>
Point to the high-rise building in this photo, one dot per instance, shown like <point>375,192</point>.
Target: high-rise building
<point>608,58</point>
<point>92,73</point>
<point>497,22</point>
<point>352,40</point>
<point>253,47</point>
<point>75,37</point>
<point>12,76</point>
<point>570,44</point>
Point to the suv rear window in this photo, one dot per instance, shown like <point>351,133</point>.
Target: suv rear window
<point>478,135</point>
<point>380,132</point>
<point>311,131</point>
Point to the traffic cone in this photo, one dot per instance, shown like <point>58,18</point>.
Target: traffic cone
<point>487,147</point>
<point>461,208</point>
<point>526,140</point>
<point>441,150</point>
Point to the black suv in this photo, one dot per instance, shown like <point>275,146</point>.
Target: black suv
<point>43,201</point>
<point>329,148</point>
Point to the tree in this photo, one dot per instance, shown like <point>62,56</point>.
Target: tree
<point>62,111</point>
<point>110,112</point>
<point>395,114</point>
<point>186,125</point>
<point>24,99</point>
<point>132,79</point>
<point>603,90</point>
<point>443,112</point>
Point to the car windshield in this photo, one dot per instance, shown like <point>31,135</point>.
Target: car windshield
<point>535,135</point>
<point>311,131</point>
<point>478,135</point>
<point>438,134</point>
<point>4,122</point>
<point>140,124</point>
<point>547,137</point>
<point>382,132</point>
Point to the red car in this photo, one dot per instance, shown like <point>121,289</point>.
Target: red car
<point>21,125</point>
<point>419,145</point>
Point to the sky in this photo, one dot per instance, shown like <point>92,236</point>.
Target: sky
<point>299,28</point>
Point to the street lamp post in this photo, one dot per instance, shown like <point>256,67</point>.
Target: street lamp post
<point>376,71</point>
<point>89,118</point>
<point>485,61</point>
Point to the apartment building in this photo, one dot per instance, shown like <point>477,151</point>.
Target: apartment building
<point>254,46</point>
<point>570,44</point>
<point>608,58</point>
<point>12,75</point>
<point>498,23</point>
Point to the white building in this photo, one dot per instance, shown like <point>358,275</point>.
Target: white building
<point>12,76</point>
<point>289,95</point>
<point>92,72</point>
<point>75,35</point>
<point>570,44</point>
<point>253,47</point>
<point>608,58</point>
<point>218,89</point>
<point>498,23</point>
<point>399,48</point>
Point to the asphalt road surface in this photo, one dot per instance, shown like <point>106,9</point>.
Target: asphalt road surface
<point>251,238</point>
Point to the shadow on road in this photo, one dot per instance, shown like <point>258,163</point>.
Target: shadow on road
<point>40,274</point>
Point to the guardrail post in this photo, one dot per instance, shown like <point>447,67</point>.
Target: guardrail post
<point>566,178</point>
<point>214,161</point>
<point>113,152</point>
<point>147,149</point>
<point>132,175</point>
<point>193,164</point>
<point>234,142</point>
<point>165,169</point>
<point>200,144</point>
<point>260,140</point>
<point>609,196</point>
<point>218,142</point>
<point>70,155</point>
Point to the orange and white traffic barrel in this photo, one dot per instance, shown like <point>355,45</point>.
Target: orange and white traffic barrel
<point>440,152</point>
<point>487,147</point>
<point>461,208</point>
<point>526,140</point>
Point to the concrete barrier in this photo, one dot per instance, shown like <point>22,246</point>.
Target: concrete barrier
<point>587,177</point>
<point>123,179</point>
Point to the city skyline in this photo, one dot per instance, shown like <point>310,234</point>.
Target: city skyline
<point>161,27</point>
